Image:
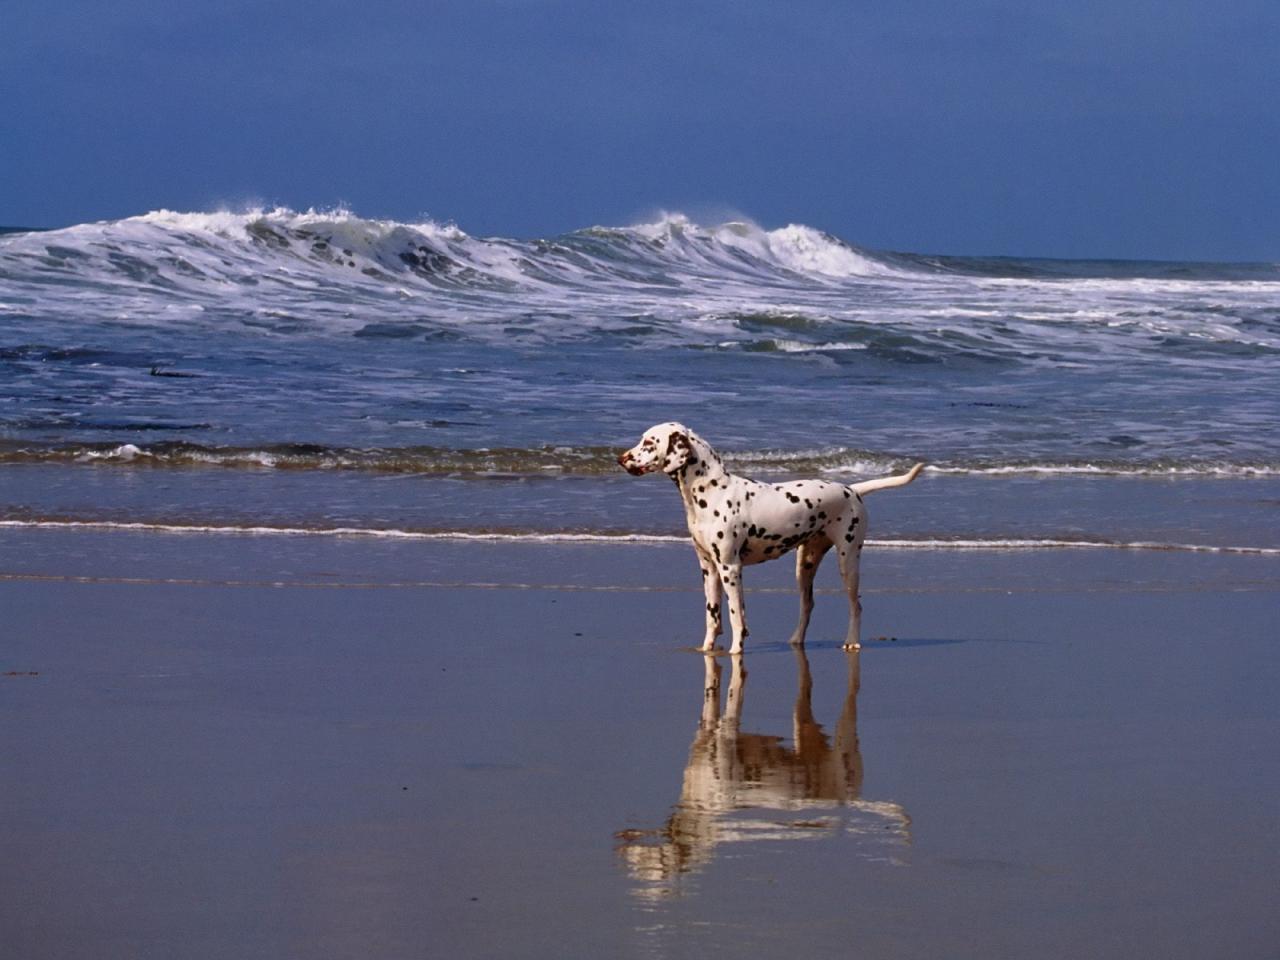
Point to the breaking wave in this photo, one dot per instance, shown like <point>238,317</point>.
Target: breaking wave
<point>209,256</point>
<point>791,290</point>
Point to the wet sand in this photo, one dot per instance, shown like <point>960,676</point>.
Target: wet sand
<point>268,747</point>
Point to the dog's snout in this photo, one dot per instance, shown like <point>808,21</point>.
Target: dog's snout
<point>624,461</point>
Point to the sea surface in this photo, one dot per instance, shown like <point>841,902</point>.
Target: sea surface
<point>317,372</point>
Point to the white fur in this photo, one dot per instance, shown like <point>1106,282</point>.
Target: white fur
<point>736,522</point>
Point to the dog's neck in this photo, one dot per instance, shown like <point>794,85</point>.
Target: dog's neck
<point>704,465</point>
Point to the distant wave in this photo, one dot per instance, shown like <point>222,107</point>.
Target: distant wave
<point>584,461</point>
<point>613,537</point>
<point>194,253</point>
<point>795,290</point>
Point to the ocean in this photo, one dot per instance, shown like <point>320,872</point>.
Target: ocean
<point>293,373</point>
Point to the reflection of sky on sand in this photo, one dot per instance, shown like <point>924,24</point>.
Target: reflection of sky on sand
<point>740,787</point>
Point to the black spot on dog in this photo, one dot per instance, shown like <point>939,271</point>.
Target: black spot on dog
<point>702,503</point>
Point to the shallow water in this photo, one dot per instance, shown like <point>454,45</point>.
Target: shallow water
<point>1238,515</point>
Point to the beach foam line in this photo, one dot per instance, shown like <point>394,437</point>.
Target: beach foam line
<point>1118,469</point>
<point>594,461</point>
<point>924,543</point>
<point>11,577</point>
<point>374,533</point>
<point>1054,544</point>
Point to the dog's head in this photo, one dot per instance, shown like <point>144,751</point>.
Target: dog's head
<point>664,447</point>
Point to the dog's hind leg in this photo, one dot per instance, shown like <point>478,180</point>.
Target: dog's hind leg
<point>808,557</point>
<point>850,557</point>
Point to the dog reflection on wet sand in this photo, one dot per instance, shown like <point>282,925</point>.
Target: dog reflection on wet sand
<point>752,786</point>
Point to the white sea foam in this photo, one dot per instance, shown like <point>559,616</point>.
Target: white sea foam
<point>810,251</point>
<point>125,453</point>
<point>800,346</point>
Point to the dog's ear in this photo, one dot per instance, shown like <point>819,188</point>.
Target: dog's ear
<point>679,450</point>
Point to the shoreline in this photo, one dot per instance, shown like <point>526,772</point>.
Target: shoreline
<point>621,538</point>
<point>73,553</point>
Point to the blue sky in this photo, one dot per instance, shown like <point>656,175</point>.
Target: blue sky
<point>1107,128</point>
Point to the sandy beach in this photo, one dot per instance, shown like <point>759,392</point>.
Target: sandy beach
<point>238,746</point>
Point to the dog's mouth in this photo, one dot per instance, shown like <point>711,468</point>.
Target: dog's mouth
<point>625,462</point>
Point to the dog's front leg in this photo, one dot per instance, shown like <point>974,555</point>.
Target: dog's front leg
<point>711,590</point>
<point>731,574</point>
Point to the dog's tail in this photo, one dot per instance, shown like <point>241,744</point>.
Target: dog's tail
<point>901,480</point>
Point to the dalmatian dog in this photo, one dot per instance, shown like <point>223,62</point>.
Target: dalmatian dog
<point>736,522</point>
